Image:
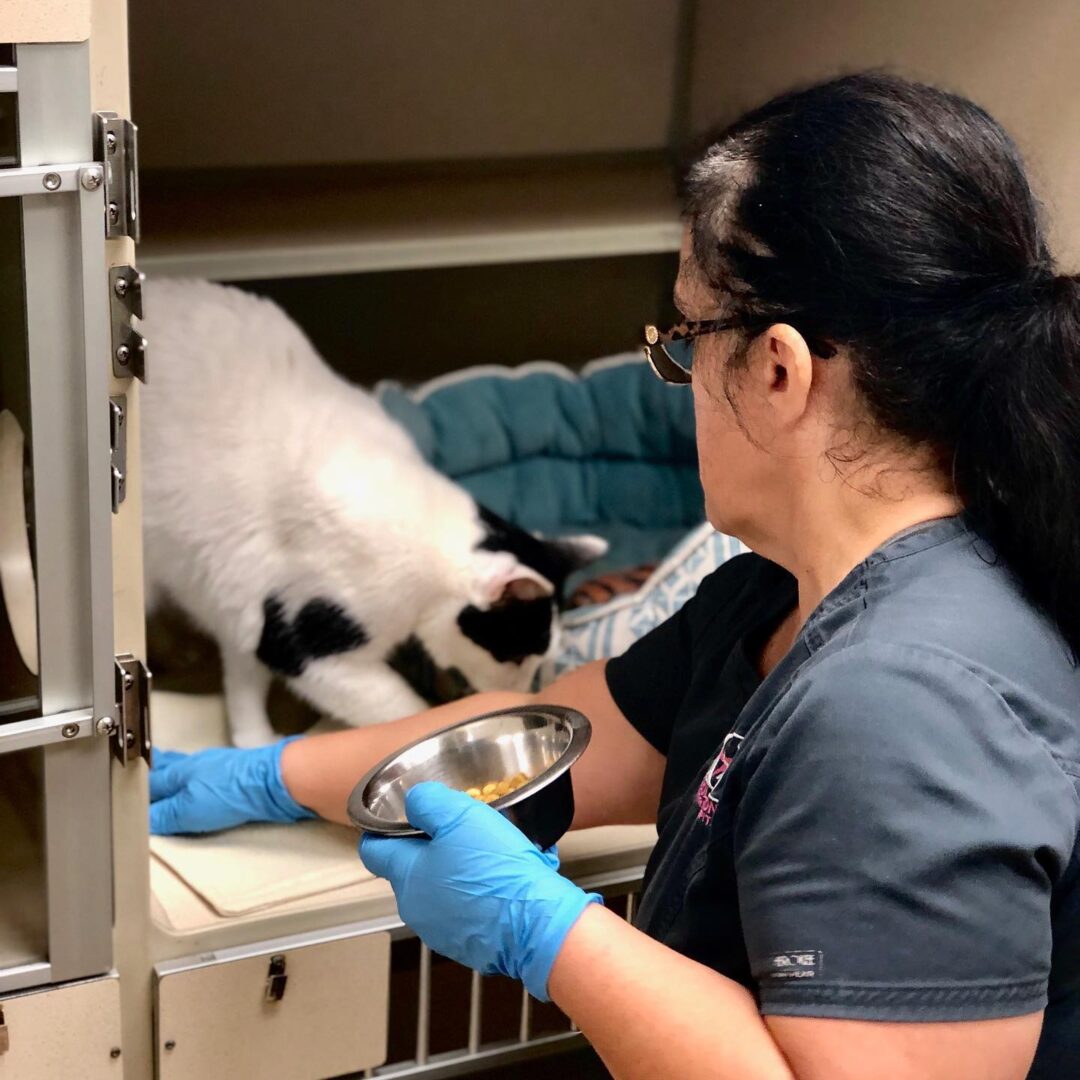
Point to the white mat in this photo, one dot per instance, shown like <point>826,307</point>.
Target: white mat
<point>258,866</point>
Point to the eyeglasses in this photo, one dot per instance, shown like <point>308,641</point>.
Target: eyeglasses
<point>671,352</point>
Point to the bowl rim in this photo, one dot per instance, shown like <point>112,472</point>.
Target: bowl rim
<point>580,734</point>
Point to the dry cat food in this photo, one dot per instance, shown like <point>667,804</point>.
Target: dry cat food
<point>497,788</point>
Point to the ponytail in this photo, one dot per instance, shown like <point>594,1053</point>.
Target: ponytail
<point>1017,463</point>
<point>895,221</point>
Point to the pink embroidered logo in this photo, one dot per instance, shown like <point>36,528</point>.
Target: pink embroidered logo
<point>707,797</point>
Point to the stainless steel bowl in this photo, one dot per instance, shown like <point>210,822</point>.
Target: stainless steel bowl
<point>541,741</point>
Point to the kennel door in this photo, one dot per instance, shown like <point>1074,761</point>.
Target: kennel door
<point>56,633</point>
<point>275,1011</point>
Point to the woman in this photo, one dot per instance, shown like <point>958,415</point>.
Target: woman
<point>863,741</point>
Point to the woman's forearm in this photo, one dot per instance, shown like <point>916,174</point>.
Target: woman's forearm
<point>321,771</point>
<point>616,782</point>
<point>650,1012</point>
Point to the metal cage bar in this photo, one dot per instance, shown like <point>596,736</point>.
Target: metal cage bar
<point>476,1014</point>
<point>525,1022</point>
<point>476,1055</point>
<point>423,1012</point>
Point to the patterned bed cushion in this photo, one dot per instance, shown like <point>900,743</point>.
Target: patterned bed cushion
<point>605,630</point>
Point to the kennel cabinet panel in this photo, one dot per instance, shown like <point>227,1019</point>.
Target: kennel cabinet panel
<point>45,20</point>
<point>71,1031</point>
<point>301,1013</point>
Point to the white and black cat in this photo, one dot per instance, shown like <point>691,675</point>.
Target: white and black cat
<point>299,525</point>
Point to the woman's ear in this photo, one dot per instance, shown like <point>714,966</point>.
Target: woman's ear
<point>785,367</point>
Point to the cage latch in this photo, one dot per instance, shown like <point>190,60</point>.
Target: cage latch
<point>117,146</point>
<point>276,978</point>
<point>130,731</point>
<point>125,311</point>
<point>118,449</point>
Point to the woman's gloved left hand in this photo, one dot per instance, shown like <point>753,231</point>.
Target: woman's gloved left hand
<point>478,891</point>
<point>220,788</point>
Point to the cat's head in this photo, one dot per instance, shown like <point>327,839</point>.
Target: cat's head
<point>504,623</point>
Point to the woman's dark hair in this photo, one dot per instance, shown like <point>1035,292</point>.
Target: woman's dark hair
<point>895,220</point>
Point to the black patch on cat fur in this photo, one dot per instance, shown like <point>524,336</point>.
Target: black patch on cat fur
<point>510,631</point>
<point>321,628</point>
<point>546,557</point>
<point>436,685</point>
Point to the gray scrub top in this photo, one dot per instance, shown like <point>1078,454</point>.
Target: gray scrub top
<point>884,828</point>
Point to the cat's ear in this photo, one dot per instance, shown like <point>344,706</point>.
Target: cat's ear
<point>564,554</point>
<point>550,560</point>
<point>500,578</point>
<point>579,551</point>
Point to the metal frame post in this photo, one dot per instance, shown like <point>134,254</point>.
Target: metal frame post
<point>68,347</point>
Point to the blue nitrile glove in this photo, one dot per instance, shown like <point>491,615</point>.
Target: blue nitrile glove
<point>478,891</point>
<point>219,789</point>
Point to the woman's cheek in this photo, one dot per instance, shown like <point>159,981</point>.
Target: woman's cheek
<point>729,464</point>
<point>715,465</point>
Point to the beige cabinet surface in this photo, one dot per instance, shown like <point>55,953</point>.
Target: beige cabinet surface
<point>217,1019</point>
<point>44,20</point>
<point>68,1033</point>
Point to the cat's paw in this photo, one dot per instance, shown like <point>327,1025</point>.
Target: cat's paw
<point>252,739</point>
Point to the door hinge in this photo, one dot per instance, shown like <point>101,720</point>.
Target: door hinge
<point>130,731</point>
<point>126,306</point>
<point>118,449</point>
<point>116,144</point>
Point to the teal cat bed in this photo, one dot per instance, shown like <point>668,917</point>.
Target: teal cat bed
<point>609,450</point>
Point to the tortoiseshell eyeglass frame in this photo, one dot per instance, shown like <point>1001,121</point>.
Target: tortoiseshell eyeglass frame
<point>664,365</point>
<point>667,368</point>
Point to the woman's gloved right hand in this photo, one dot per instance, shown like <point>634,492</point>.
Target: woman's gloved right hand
<point>219,789</point>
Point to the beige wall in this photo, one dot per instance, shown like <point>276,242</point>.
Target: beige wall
<point>1018,58</point>
<point>44,20</point>
<point>260,82</point>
